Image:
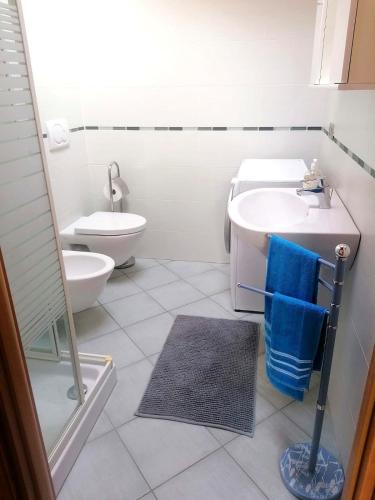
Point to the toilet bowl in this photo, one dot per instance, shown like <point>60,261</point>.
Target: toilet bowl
<point>86,274</point>
<point>115,234</point>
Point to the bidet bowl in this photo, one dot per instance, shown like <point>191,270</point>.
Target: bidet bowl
<point>87,274</point>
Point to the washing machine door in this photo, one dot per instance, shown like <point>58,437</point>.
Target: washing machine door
<point>227,222</point>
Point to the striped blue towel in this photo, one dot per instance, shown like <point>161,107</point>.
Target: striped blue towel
<point>292,343</point>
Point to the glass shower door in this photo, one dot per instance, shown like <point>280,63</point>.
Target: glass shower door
<point>29,245</point>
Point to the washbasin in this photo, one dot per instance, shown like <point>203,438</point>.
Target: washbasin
<point>263,208</point>
<point>258,213</point>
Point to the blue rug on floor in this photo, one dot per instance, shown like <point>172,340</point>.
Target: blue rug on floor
<point>206,375</point>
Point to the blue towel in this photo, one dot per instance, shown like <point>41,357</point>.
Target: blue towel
<point>291,270</point>
<point>292,343</point>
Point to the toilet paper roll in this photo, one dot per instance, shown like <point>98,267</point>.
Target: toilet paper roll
<point>119,189</point>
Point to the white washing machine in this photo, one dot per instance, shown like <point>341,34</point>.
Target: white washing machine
<point>247,263</point>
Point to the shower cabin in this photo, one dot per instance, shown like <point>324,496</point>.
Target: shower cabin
<point>69,388</point>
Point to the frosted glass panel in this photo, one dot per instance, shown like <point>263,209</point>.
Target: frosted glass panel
<point>28,241</point>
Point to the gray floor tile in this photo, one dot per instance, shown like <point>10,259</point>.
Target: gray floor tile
<point>153,359</point>
<point>222,435</point>
<point>127,394</point>
<point>117,344</point>
<point>184,269</point>
<point>140,265</point>
<point>134,308</point>
<point>102,426</point>
<point>153,277</point>
<point>266,390</point>
<point>224,300</point>
<point>303,414</point>
<point>151,334</point>
<point>175,294</point>
<point>118,288</point>
<point>104,470</point>
<point>163,261</point>
<point>163,448</point>
<point>211,282</point>
<point>224,268</point>
<point>255,317</point>
<point>149,496</point>
<point>259,456</point>
<point>205,307</point>
<point>92,323</point>
<point>116,273</point>
<point>263,408</point>
<point>216,477</point>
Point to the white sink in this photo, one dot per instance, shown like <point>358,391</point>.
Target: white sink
<point>256,214</point>
<point>261,208</point>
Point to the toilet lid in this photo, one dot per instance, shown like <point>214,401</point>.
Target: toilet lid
<point>110,224</point>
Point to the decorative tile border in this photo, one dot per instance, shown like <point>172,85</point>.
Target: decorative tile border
<point>74,129</point>
<point>366,167</point>
<point>199,129</point>
<point>204,129</point>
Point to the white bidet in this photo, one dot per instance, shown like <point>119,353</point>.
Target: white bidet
<point>87,274</point>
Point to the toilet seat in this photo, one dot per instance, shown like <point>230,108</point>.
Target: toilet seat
<point>110,224</point>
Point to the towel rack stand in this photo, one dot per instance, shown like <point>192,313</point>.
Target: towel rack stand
<point>308,470</point>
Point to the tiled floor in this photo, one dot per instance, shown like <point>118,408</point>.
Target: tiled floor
<point>131,458</point>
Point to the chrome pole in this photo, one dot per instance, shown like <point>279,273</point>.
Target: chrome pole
<point>342,253</point>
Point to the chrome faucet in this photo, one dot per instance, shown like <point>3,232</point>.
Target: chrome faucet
<point>322,191</point>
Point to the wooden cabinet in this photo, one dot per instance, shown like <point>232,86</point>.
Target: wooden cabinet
<point>344,44</point>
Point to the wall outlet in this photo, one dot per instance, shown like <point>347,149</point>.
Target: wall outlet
<point>57,133</point>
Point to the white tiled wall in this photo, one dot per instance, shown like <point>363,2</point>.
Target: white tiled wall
<point>166,63</point>
<point>180,180</point>
<point>353,114</point>
<point>54,48</point>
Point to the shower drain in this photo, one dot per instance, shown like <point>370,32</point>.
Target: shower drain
<point>72,392</point>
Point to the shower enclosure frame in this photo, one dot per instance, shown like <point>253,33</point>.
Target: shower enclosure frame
<point>77,428</point>
<point>72,345</point>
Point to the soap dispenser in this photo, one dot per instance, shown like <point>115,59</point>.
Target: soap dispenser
<point>310,180</point>
<point>314,169</point>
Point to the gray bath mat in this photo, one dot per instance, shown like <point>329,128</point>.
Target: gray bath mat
<point>206,375</point>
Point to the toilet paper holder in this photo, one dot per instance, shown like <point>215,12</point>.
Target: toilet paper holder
<point>113,163</point>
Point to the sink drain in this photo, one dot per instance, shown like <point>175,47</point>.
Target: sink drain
<point>72,392</point>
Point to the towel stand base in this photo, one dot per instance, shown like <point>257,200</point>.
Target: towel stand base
<point>327,480</point>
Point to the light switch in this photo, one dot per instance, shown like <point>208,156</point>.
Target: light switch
<point>57,133</point>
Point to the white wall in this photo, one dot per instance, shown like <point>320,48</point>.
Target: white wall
<point>197,63</point>
<point>53,40</point>
<point>353,114</point>
<point>150,63</point>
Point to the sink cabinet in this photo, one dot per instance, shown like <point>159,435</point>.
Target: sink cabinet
<point>344,44</point>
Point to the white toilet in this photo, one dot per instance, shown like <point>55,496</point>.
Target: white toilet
<point>87,274</point>
<point>115,234</point>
